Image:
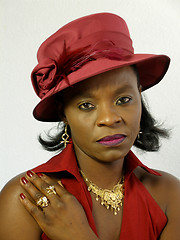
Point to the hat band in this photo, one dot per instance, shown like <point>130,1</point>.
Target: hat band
<point>104,38</point>
<point>47,75</point>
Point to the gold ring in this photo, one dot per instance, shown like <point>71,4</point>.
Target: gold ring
<point>42,202</point>
<point>51,190</point>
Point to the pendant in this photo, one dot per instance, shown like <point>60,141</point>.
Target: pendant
<point>111,199</point>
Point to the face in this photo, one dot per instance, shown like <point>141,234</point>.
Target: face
<point>104,113</point>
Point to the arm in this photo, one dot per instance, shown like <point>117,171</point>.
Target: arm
<point>15,221</point>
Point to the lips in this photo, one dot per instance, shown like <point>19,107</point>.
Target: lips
<point>112,140</point>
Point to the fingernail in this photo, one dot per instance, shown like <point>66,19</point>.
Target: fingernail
<point>22,196</point>
<point>24,180</point>
<point>60,183</point>
<point>29,173</point>
<point>39,174</point>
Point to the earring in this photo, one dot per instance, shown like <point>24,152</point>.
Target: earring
<point>139,135</point>
<point>65,137</point>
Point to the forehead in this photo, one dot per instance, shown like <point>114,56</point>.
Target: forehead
<point>122,78</point>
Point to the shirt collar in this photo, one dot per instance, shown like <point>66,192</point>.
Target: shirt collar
<point>132,162</point>
<point>66,161</point>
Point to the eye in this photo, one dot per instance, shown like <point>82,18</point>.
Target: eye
<point>86,106</point>
<point>123,100</point>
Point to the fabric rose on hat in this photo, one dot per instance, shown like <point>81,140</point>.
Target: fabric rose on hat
<point>44,76</point>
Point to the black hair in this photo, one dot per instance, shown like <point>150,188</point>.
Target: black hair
<point>53,140</point>
<point>151,131</point>
<point>148,138</point>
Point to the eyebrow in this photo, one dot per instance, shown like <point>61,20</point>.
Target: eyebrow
<point>86,94</point>
<point>124,88</point>
<point>120,90</point>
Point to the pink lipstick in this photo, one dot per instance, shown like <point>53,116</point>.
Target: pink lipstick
<point>112,140</point>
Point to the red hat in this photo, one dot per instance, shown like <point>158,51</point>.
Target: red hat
<point>84,48</point>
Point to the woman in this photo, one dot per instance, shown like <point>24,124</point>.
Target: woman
<point>89,78</point>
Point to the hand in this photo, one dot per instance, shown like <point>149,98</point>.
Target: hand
<point>63,218</point>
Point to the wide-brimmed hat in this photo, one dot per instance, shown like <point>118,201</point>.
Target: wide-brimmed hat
<point>84,48</point>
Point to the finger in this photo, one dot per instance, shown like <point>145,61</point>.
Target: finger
<point>48,190</point>
<point>39,199</point>
<point>57,184</point>
<point>61,191</point>
<point>40,184</point>
<point>37,186</point>
<point>32,208</point>
<point>47,179</point>
<point>30,189</point>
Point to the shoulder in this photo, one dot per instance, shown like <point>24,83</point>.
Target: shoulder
<point>162,187</point>
<point>155,180</point>
<point>13,215</point>
<point>11,190</point>
<point>170,186</point>
<point>164,182</point>
<point>165,189</point>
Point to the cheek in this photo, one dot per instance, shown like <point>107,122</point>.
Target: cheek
<point>136,121</point>
<point>133,118</point>
<point>81,125</point>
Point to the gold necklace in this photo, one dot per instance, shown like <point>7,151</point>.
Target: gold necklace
<point>111,199</point>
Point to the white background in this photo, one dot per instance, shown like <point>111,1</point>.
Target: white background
<point>24,24</point>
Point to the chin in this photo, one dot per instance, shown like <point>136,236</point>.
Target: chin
<point>111,155</point>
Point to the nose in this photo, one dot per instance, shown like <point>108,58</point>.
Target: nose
<point>108,116</point>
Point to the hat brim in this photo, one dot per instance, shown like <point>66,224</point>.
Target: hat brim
<point>151,69</point>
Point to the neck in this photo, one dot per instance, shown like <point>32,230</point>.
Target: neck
<point>103,174</point>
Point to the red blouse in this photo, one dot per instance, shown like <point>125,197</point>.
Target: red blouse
<point>143,219</point>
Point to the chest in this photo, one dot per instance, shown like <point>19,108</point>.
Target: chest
<point>107,224</point>
<point>140,218</point>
